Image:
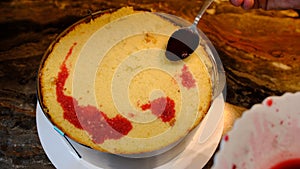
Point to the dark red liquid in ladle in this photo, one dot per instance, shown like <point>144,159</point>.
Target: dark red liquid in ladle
<point>288,164</point>
<point>181,44</point>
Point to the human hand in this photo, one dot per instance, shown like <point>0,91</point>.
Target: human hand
<point>267,4</point>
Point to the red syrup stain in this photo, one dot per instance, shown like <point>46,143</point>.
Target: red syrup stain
<point>288,164</point>
<point>281,122</point>
<point>162,107</point>
<point>187,79</point>
<point>226,138</point>
<point>269,102</point>
<point>88,118</point>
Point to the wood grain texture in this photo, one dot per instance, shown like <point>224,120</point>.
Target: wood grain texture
<point>259,49</point>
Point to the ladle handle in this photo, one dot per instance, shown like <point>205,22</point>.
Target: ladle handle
<point>204,6</point>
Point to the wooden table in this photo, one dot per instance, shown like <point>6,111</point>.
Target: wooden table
<point>259,49</point>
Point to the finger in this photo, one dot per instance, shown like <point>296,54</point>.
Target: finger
<point>248,4</point>
<point>236,2</point>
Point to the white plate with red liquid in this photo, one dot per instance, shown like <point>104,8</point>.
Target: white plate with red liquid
<point>266,137</point>
<point>192,155</point>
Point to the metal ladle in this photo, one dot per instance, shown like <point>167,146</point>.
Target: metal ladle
<point>184,41</point>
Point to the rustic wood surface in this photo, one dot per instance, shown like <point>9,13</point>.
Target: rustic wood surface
<point>259,49</point>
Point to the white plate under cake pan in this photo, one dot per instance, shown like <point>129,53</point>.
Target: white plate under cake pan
<point>186,155</point>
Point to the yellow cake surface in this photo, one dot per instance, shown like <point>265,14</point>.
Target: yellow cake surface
<point>107,84</point>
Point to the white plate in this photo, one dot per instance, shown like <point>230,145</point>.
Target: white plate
<point>264,136</point>
<point>192,155</point>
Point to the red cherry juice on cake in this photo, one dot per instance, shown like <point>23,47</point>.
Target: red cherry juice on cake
<point>162,107</point>
<point>188,80</point>
<point>88,118</point>
<point>288,164</point>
